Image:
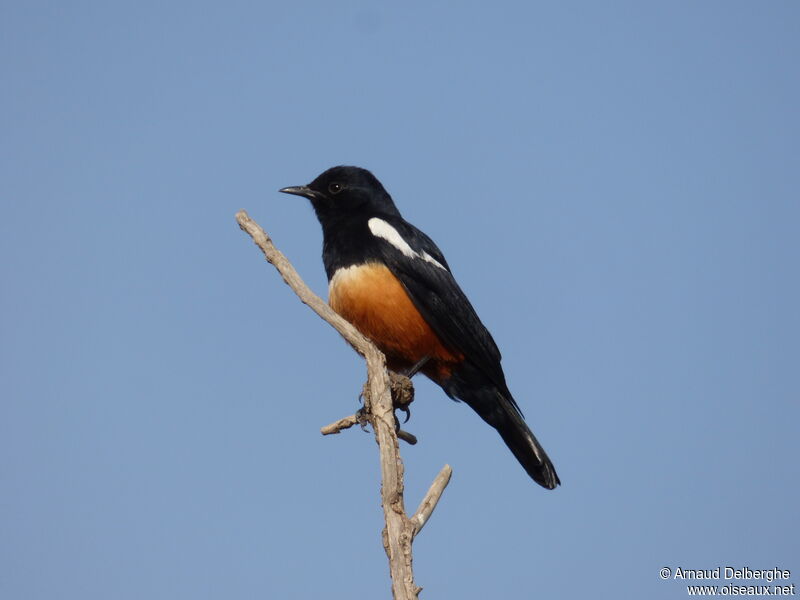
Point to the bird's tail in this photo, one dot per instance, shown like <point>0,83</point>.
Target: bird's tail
<point>500,411</point>
<point>523,444</point>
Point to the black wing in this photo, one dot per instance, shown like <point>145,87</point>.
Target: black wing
<point>437,296</point>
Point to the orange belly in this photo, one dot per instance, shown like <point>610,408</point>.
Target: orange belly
<point>377,304</point>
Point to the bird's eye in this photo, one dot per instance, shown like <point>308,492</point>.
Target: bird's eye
<point>335,188</point>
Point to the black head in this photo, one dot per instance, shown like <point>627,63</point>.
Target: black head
<point>346,191</point>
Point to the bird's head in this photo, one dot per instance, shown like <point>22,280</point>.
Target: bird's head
<point>345,191</point>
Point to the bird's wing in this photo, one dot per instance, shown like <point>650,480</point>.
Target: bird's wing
<point>426,277</point>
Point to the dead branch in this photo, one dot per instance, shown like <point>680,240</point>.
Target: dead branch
<point>348,422</point>
<point>431,499</point>
<point>340,425</point>
<point>379,411</point>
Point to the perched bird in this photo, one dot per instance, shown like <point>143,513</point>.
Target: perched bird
<point>394,285</point>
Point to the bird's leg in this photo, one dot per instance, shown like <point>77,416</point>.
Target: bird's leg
<point>419,364</point>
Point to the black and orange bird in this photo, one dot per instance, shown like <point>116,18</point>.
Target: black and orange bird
<point>394,285</point>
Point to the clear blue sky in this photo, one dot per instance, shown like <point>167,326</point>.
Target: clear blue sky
<point>615,185</point>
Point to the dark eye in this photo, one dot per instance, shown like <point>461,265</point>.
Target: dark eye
<point>335,188</point>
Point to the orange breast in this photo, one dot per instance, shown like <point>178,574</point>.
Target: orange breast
<point>373,300</point>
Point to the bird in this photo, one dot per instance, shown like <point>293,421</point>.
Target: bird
<point>391,281</point>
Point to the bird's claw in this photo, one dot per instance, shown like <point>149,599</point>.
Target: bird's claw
<point>361,418</point>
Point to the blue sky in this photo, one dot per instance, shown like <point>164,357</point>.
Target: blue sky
<point>614,185</point>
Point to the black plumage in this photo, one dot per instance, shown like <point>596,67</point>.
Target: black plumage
<point>361,226</point>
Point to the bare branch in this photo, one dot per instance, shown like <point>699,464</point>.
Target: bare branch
<point>431,499</point>
<point>339,425</point>
<point>379,410</point>
<point>408,438</point>
<point>348,422</point>
<point>275,257</point>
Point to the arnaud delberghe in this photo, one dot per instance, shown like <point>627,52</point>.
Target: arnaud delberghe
<point>731,573</point>
<point>765,574</point>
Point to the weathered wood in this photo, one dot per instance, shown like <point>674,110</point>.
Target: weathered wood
<point>399,531</point>
<point>431,499</point>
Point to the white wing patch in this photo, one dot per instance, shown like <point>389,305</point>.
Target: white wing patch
<point>383,230</point>
<point>430,259</point>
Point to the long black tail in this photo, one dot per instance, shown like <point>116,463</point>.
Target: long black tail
<point>523,444</point>
<point>500,411</point>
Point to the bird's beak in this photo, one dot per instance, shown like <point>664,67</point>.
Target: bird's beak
<point>300,190</point>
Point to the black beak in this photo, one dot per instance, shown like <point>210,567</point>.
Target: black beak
<point>300,190</point>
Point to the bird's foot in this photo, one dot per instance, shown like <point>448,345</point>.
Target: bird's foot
<point>362,419</point>
<point>402,394</point>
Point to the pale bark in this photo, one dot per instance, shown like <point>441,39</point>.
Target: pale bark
<point>400,530</point>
